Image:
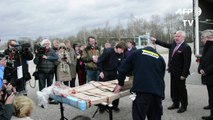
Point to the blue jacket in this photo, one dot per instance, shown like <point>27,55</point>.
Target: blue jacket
<point>1,76</point>
<point>148,70</point>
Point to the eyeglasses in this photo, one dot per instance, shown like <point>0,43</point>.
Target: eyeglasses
<point>62,47</point>
<point>12,45</point>
<point>47,43</point>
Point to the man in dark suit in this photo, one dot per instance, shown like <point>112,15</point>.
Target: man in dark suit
<point>205,67</point>
<point>178,67</point>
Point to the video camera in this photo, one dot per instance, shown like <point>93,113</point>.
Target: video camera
<point>40,50</point>
<point>21,48</point>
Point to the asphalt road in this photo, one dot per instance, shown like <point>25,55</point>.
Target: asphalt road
<point>197,97</point>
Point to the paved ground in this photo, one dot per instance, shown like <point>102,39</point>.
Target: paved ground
<point>197,96</point>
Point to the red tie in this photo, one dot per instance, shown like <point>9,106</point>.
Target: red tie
<point>175,49</point>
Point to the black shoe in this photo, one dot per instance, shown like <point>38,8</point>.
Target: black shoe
<point>42,106</point>
<point>207,117</point>
<point>116,110</point>
<point>181,110</point>
<point>173,106</point>
<point>208,107</point>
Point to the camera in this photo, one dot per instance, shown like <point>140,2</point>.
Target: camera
<point>26,46</point>
<point>9,63</point>
<point>6,92</point>
<point>21,48</point>
<point>64,57</point>
<point>1,56</point>
<point>16,47</point>
<point>40,50</point>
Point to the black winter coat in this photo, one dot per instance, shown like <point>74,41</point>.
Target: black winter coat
<point>17,59</point>
<point>206,63</point>
<point>46,65</point>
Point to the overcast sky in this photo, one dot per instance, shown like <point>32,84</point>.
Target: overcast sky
<point>33,18</point>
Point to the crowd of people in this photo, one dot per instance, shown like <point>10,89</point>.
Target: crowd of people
<point>65,61</point>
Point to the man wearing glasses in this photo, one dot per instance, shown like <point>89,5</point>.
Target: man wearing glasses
<point>16,72</point>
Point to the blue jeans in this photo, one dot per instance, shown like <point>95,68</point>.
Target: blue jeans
<point>92,75</point>
<point>43,78</point>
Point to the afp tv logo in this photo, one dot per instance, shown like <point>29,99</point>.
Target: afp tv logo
<point>185,11</point>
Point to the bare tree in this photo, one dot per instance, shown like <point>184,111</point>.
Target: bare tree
<point>118,32</point>
<point>136,27</point>
<point>106,31</point>
<point>131,27</point>
<point>155,26</point>
<point>97,32</point>
<point>170,21</point>
<point>82,35</point>
<point>71,38</point>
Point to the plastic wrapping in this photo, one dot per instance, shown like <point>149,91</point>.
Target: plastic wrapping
<point>43,96</point>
